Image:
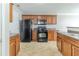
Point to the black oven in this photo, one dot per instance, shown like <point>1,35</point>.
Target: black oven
<point>42,34</point>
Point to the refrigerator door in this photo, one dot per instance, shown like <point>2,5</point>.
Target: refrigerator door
<point>26,31</point>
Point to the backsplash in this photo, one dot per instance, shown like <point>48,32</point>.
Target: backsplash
<point>47,26</point>
<point>61,28</point>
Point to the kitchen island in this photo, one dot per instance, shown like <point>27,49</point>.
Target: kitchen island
<point>68,43</point>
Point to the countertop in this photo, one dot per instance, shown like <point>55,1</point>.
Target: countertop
<point>13,34</point>
<point>73,35</point>
<point>35,29</point>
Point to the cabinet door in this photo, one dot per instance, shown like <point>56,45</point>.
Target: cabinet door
<point>59,43</point>
<point>30,17</point>
<point>11,12</point>
<point>75,51</point>
<point>66,48</point>
<point>50,35</point>
<point>25,17</point>
<point>12,47</point>
<point>17,44</point>
<point>34,19</point>
<point>34,36</point>
<point>51,19</point>
<point>44,17</point>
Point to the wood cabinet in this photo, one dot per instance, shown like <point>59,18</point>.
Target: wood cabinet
<point>17,44</point>
<point>51,19</point>
<point>11,12</point>
<point>44,17</point>
<point>75,51</point>
<point>14,45</point>
<point>25,17</point>
<point>34,19</point>
<point>59,43</point>
<point>51,35</point>
<point>68,46</point>
<point>34,35</point>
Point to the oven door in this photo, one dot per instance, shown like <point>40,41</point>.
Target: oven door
<point>42,35</point>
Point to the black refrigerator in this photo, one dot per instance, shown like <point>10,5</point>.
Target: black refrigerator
<point>25,30</point>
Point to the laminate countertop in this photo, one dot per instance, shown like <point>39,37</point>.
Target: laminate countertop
<point>46,28</point>
<point>73,35</point>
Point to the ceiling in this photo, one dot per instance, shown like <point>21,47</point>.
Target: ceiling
<point>48,8</point>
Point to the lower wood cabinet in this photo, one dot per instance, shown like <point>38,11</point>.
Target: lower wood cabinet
<point>14,45</point>
<point>51,35</point>
<point>17,44</point>
<point>75,51</point>
<point>34,35</point>
<point>66,48</point>
<point>59,43</point>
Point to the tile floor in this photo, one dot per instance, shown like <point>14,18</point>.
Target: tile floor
<point>39,49</point>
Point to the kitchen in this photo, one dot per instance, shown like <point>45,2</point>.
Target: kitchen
<point>57,23</point>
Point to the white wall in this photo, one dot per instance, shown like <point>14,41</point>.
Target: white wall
<point>64,21</point>
<point>0,31</point>
<point>0,20</point>
<point>7,27</point>
<point>5,33</point>
<point>14,26</point>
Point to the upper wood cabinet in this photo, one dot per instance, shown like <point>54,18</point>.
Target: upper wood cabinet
<point>43,17</point>
<point>51,20</point>
<point>11,12</point>
<point>25,17</point>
